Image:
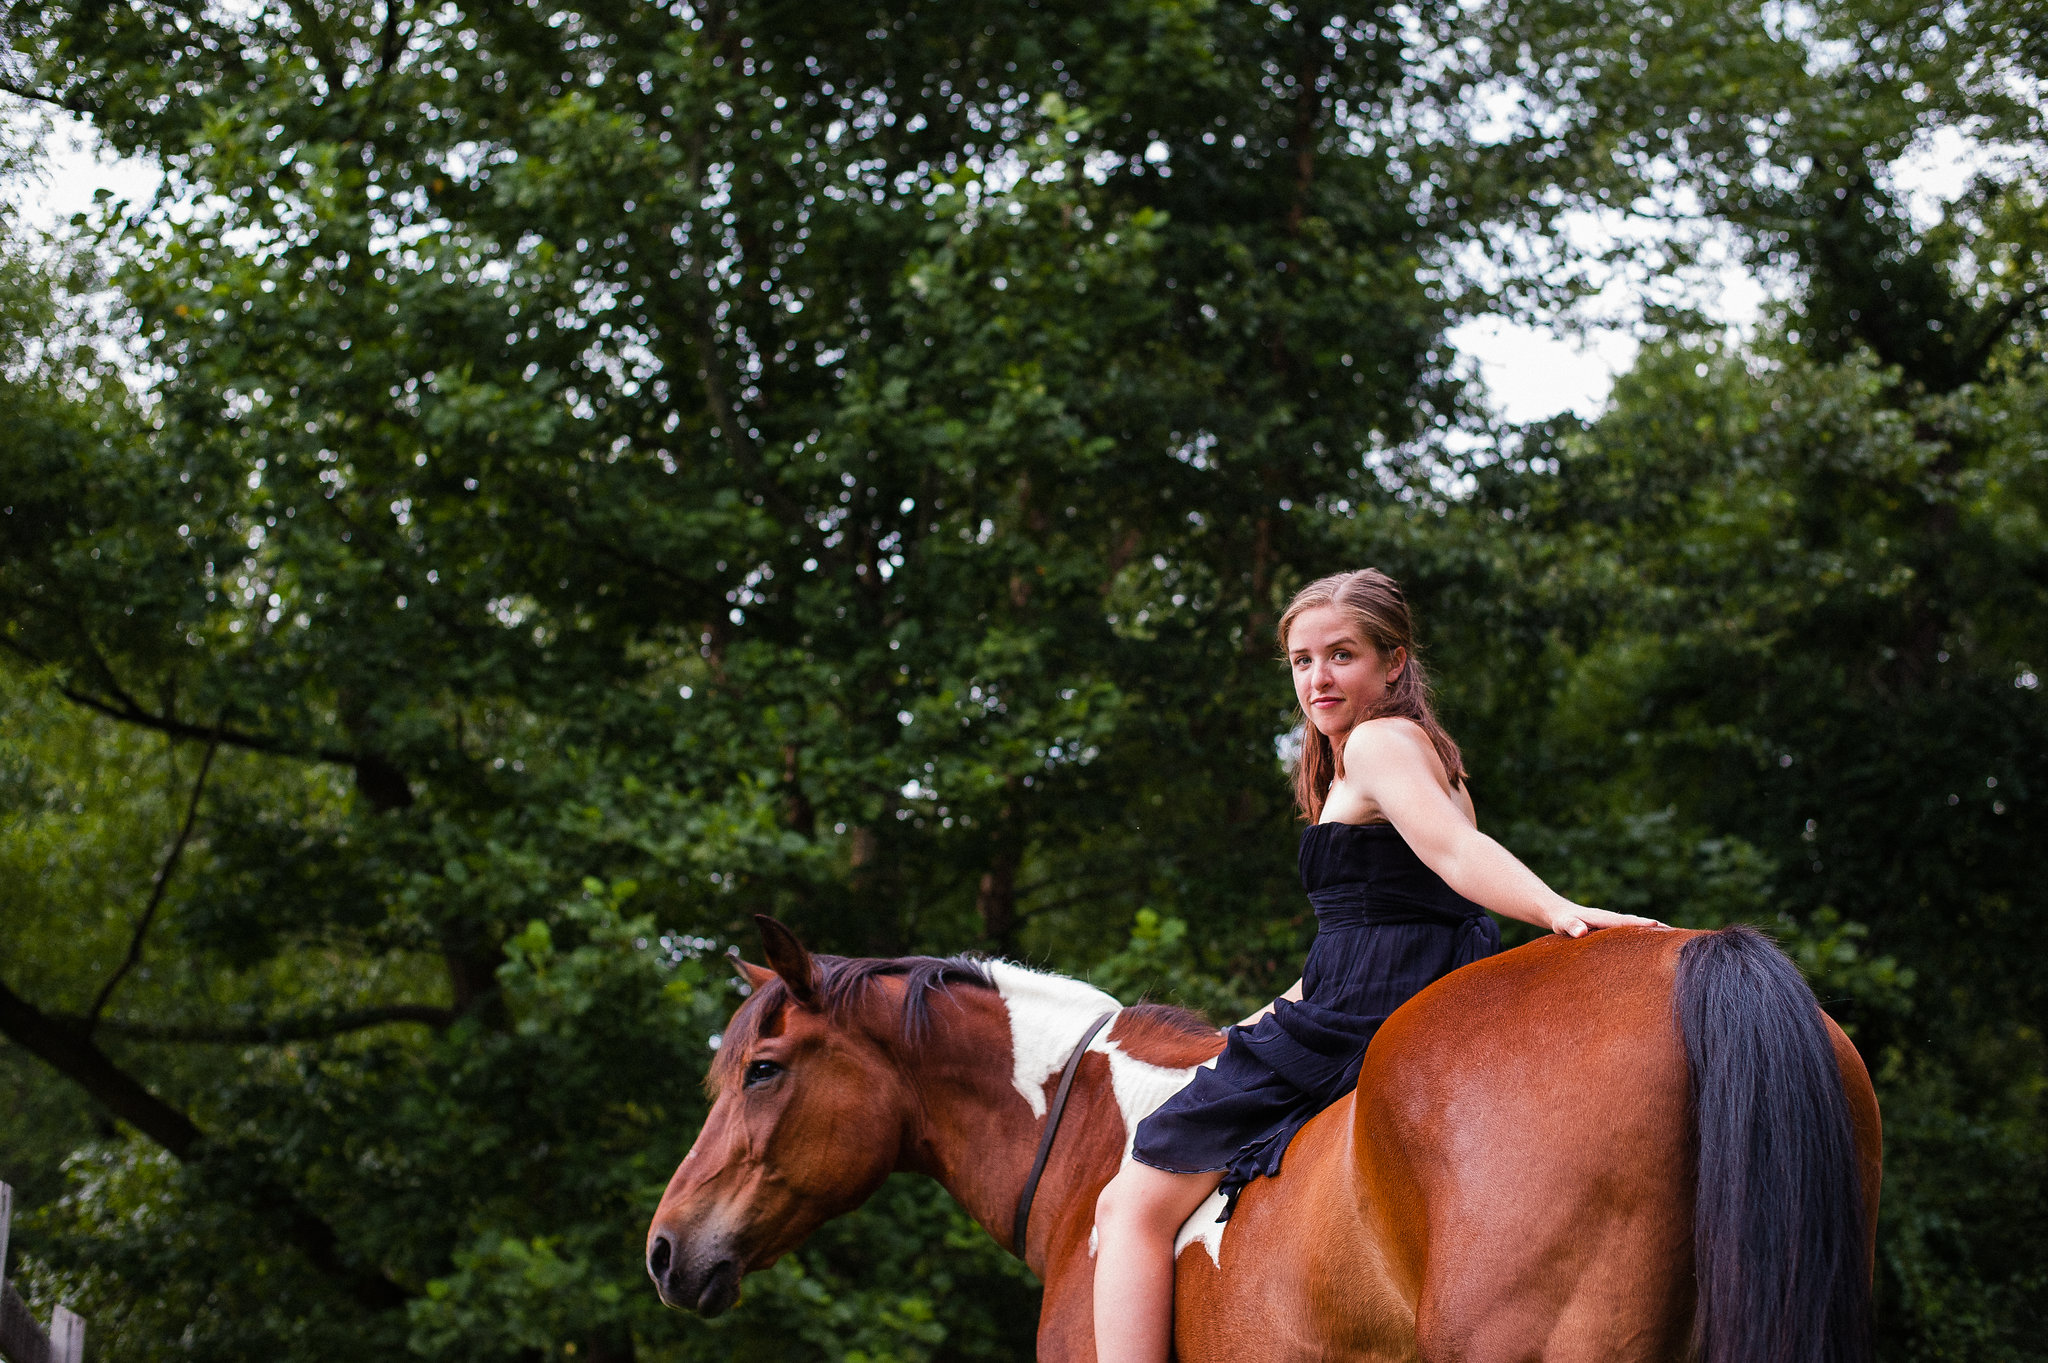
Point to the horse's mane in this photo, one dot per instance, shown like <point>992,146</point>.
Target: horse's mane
<point>843,984</point>
<point>1163,1034</point>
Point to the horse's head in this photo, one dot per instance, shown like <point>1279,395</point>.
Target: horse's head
<point>810,1112</point>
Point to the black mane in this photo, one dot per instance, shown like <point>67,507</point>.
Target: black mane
<point>843,984</point>
<point>844,981</point>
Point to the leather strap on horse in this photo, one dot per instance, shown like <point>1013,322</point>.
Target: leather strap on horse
<point>1052,1130</point>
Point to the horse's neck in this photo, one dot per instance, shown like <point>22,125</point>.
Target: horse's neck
<point>986,1127</point>
<point>987,1085</point>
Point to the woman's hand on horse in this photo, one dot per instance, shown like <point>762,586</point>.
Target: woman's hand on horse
<point>1578,920</point>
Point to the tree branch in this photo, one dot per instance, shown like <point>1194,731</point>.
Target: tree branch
<point>381,782</point>
<point>321,44</point>
<point>387,43</point>
<point>156,892</point>
<point>1308,109</point>
<point>71,1052</point>
<point>995,899</point>
<point>275,1031</point>
<point>22,91</point>
<point>732,423</point>
<point>128,712</point>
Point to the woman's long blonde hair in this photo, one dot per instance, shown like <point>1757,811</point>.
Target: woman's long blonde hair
<point>1374,605</point>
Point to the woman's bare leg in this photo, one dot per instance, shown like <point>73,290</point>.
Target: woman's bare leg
<point>1136,1218</point>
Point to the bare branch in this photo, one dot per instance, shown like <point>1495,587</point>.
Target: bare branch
<point>21,90</point>
<point>71,1052</point>
<point>275,1031</point>
<point>388,41</point>
<point>61,1044</point>
<point>156,892</point>
<point>130,713</point>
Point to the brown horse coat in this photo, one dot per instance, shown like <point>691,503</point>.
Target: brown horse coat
<point>1514,1179</point>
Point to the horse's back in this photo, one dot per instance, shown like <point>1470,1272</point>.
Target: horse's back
<point>1515,1154</point>
<point>1523,1145</point>
<point>1520,1157</point>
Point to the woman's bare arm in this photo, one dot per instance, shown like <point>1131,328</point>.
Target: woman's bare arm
<point>1392,764</point>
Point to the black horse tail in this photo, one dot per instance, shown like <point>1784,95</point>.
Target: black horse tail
<point>1778,1227</point>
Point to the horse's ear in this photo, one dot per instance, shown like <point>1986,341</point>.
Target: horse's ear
<point>754,975</point>
<point>790,959</point>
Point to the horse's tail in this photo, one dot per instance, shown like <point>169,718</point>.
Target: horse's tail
<point>1778,1228</point>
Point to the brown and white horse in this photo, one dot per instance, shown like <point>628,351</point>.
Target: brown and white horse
<point>1638,1145</point>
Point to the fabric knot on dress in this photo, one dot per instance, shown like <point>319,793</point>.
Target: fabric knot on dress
<point>1478,938</point>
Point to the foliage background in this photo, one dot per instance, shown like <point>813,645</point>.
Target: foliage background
<point>542,484</point>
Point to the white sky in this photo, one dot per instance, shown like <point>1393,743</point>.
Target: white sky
<point>1533,372</point>
<point>1529,371</point>
<point>75,168</point>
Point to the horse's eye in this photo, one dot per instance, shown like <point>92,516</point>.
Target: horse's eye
<point>761,1071</point>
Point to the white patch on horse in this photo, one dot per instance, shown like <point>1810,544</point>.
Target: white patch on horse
<point>1202,1225</point>
<point>1140,1087</point>
<point>1048,1013</point>
<point>1205,1225</point>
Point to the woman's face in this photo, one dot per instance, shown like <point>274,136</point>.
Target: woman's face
<point>1338,676</point>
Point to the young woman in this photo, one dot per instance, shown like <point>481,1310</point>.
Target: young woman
<point>1399,875</point>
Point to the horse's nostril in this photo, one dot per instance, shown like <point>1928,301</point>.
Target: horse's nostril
<point>658,1258</point>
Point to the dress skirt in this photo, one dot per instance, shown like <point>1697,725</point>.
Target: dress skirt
<point>1384,933</point>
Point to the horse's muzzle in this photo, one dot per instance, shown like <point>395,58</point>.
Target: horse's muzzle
<point>705,1279</point>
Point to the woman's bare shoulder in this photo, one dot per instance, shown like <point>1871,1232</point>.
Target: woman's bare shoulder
<point>1395,746</point>
<point>1388,734</point>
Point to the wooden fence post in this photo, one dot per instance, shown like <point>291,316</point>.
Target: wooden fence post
<point>67,1337</point>
<point>21,1339</point>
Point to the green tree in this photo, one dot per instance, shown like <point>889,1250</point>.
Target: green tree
<point>587,476</point>
<point>603,474</point>
<point>1825,600</point>
<point>1794,594</point>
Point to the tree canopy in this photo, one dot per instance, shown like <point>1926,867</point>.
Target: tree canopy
<point>541,484</point>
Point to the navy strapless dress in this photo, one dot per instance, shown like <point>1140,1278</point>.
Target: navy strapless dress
<point>1386,927</point>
